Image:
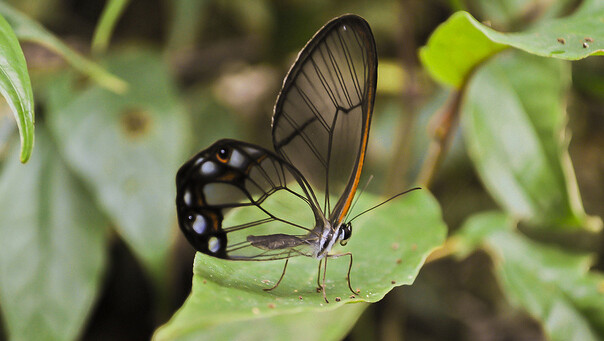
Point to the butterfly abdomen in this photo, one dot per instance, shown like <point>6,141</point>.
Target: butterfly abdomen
<point>275,241</point>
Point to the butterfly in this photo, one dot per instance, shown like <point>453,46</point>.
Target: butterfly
<point>320,130</point>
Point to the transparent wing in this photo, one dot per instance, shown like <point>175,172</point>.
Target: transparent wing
<point>234,175</point>
<point>323,113</point>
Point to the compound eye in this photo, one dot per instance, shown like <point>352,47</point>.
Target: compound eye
<point>223,154</point>
<point>345,234</point>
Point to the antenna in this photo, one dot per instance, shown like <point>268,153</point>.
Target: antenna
<point>359,196</point>
<point>383,202</point>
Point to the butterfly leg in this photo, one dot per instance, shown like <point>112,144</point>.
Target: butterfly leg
<point>323,282</point>
<point>349,268</point>
<point>280,278</point>
<point>319,276</point>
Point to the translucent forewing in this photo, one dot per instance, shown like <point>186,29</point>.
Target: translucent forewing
<point>323,113</point>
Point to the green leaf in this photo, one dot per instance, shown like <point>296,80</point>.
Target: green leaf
<point>455,48</point>
<point>16,87</point>
<point>127,148</point>
<point>323,325</point>
<point>515,139</point>
<point>389,246</point>
<point>29,30</point>
<point>111,14</point>
<point>52,248</point>
<point>461,43</point>
<point>554,286</point>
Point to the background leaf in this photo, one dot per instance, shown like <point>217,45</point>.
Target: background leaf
<point>52,248</point>
<point>29,30</point>
<point>16,87</point>
<point>389,247</point>
<point>554,286</point>
<point>458,45</point>
<point>127,149</point>
<point>512,120</point>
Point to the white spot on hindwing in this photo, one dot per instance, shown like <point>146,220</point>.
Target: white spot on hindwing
<point>208,168</point>
<point>252,151</point>
<point>237,159</point>
<point>200,224</point>
<point>187,198</point>
<point>214,245</point>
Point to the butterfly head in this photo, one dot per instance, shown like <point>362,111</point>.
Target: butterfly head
<point>345,233</point>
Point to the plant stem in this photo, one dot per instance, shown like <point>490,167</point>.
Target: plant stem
<point>442,131</point>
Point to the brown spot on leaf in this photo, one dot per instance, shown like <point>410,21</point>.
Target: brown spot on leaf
<point>338,299</point>
<point>135,122</point>
<point>561,41</point>
<point>589,39</point>
<point>271,305</point>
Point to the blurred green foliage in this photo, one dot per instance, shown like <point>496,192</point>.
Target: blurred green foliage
<point>125,91</point>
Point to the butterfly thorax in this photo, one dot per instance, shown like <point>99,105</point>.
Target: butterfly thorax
<point>329,236</point>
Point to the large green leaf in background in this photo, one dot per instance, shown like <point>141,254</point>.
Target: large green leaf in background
<point>554,286</point>
<point>127,148</point>
<point>461,43</point>
<point>52,248</point>
<point>513,117</point>
<point>16,87</point>
<point>29,30</point>
<point>389,246</point>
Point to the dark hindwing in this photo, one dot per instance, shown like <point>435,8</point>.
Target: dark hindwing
<point>323,113</point>
<point>234,175</point>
